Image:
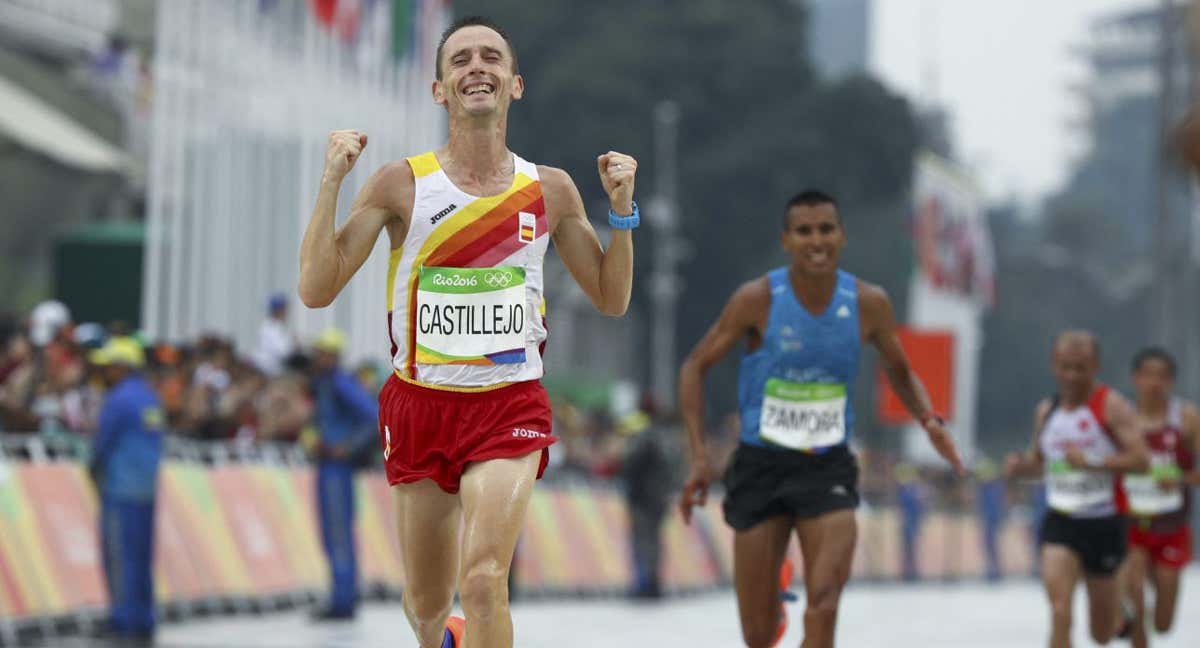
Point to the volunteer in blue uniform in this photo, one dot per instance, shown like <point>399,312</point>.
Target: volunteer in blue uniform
<point>804,326</point>
<point>992,502</point>
<point>346,419</point>
<point>911,497</point>
<point>124,465</point>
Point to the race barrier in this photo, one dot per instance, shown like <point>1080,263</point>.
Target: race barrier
<point>233,535</point>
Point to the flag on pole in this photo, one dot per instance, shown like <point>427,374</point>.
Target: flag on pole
<point>344,17</point>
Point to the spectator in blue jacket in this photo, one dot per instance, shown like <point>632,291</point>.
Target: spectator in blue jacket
<point>911,497</point>
<point>347,420</point>
<point>124,466</point>
<point>992,504</point>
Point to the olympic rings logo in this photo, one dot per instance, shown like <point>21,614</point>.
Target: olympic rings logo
<point>498,279</point>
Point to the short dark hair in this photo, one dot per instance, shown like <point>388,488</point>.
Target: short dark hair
<point>1154,353</point>
<point>808,198</point>
<point>473,21</point>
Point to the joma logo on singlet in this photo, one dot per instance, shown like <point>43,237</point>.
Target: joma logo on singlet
<point>440,215</point>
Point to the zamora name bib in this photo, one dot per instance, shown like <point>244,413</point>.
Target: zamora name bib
<point>802,416</point>
<point>471,315</point>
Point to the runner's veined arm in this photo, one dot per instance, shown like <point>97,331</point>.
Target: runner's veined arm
<point>1132,456</point>
<point>1031,462</point>
<point>738,319</point>
<point>876,310</point>
<point>329,258</point>
<point>606,276</point>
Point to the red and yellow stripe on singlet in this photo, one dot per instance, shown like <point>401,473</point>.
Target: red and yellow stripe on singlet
<point>479,235</point>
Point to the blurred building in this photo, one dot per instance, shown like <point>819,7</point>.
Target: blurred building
<point>1121,123</point>
<point>65,150</point>
<point>839,36</point>
<point>1141,79</point>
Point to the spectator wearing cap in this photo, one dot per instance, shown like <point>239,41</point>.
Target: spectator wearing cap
<point>347,422</point>
<point>52,332</point>
<point>46,321</point>
<point>124,466</point>
<point>275,340</point>
<point>38,370</point>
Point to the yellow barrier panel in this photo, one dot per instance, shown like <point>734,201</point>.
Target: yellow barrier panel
<point>251,530</point>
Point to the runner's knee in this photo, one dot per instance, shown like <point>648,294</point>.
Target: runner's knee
<point>823,597</point>
<point>426,608</point>
<point>1060,614</point>
<point>484,589</point>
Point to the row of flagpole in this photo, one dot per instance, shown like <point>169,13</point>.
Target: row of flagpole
<point>245,95</point>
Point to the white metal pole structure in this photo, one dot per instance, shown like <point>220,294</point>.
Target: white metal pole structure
<point>245,96</point>
<point>665,283</point>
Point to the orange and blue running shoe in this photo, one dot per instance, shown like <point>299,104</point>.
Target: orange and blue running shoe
<point>786,573</point>
<point>454,632</point>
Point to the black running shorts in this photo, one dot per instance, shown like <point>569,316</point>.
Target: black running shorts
<point>763,483</point>
<point>1099,542</point>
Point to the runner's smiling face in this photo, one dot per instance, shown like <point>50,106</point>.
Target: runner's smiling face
<point>814,238</point>
<point>477,73</point>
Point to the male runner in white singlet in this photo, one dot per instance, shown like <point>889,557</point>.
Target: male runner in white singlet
<point>1084,437</point>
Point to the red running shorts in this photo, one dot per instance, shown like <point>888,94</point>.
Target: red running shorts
<point>1172,549</point>
<point>436,434</point>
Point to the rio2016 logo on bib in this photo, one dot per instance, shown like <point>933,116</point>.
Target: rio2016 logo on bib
<point>473,316</point>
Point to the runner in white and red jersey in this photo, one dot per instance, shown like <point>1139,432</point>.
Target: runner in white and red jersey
<point>1160,540</point>
<point>1085,437</point>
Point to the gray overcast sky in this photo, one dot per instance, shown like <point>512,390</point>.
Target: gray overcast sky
<point>1003,69</point>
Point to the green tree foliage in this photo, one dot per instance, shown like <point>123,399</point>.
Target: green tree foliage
<point>756,127</point>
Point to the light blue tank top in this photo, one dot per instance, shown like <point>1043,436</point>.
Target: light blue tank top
<point>796,391</point>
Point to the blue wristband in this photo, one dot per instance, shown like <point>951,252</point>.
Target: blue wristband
<point>625,222</point>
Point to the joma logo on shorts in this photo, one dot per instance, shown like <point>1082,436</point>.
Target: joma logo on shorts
<point>438,216</point>
<point>522,433</point>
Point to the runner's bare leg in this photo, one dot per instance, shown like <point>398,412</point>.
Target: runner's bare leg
<point>495,495</point>
<point>429,520</point>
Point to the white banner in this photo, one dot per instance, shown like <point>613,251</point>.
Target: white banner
<point>952,284</point>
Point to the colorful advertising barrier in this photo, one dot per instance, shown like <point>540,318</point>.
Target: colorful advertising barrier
<point>240,531</point>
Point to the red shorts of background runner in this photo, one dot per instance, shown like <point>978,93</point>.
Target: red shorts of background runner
<point>436,434</point>
<point>1172,549</point>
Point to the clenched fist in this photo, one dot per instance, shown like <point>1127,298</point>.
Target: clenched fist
<point>617,173</point>
<point>344,148</point>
